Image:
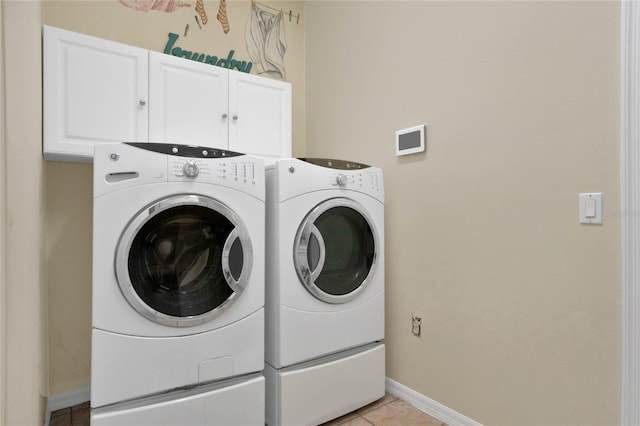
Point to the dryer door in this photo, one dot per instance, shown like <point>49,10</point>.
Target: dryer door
<point>335,250</point>
<point>183,260</point>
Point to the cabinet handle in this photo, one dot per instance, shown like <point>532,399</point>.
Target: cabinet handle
<point>224,116</point>
<point>235,117</point>
<point>143,102</point>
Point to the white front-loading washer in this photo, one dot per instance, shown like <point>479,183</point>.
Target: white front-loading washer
<point>178,280</point>
<point>324,303</point>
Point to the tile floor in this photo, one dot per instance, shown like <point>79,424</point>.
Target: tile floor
<point>73,416</point>
<point>387,411</point>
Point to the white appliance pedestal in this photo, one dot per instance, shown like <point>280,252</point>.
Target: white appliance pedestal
<point>317,391</point>
<point>237,401</point>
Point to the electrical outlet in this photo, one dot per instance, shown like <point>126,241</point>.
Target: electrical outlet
<point>416,324</point>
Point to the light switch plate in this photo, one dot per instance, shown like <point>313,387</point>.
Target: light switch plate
<point>591,207</point>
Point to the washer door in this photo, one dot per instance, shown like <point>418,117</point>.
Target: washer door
<point>183,260</point>
<point>335,250</point>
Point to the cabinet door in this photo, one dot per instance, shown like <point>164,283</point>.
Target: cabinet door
<point>94,91</point>
<point>260,111</point>
<point>188,102</point>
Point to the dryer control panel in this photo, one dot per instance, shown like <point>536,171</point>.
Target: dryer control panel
<point>361,180</point>
<point>348,174</point>
<point>297,176</point>
<point>335,164</point>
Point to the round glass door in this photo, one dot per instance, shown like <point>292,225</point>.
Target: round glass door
<point>181,261</point>
<point>335,250</point>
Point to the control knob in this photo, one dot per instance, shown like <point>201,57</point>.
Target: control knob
<point>341,179</point>
<point>191,169</point>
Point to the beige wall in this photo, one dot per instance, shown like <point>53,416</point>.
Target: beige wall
<point>25,308</point>
<point>520,304</point>
<point>69,185</point>
<point>3,232</point>
<point>69,221</point>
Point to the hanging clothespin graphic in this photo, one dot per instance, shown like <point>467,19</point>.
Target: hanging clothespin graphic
<point>291,14</point>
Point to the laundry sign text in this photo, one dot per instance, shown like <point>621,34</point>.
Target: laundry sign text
<point>228,62</point>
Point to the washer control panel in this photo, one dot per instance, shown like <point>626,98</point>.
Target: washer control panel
<point>191,169</point>
<point>241,170</point>
<point>126,164</point>
<point>191,151</point>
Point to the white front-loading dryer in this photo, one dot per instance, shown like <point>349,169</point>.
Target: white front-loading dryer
<point>324,306</point>
<point>325,256</point>
<point>178,273</point>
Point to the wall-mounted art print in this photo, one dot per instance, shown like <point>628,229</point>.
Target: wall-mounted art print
<point>225,62</point>
<point>264,33</point>
<point>201,12</point>
<point>161,5</point>
<point>202,18</point>
<point>222,16</point>
<point>266,40</point>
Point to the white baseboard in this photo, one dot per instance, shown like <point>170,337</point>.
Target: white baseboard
<point>428,405</point>
<point>66,399</point>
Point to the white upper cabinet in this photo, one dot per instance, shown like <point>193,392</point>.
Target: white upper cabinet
<point>199,104</point>
<point>260,115</point>
<point>188,102</point>
<point>101,91</point>
<point>94,91</point>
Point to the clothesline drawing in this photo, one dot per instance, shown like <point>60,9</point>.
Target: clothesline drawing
<point>291,14</point>
<point>266,40</point>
